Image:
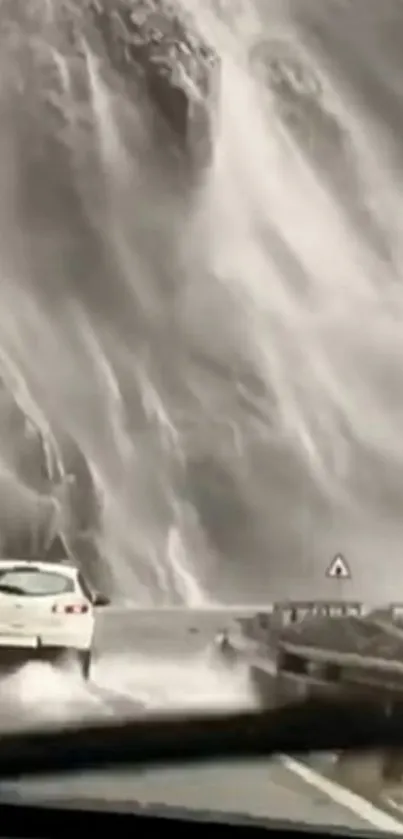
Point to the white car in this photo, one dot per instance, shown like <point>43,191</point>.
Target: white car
<point>46,613</point>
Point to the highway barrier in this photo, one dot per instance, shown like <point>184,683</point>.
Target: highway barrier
<point>361,655</point>
<point>303,672</point>
<point>265,626</point>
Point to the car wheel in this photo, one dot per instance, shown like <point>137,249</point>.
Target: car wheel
<point>85,664</point>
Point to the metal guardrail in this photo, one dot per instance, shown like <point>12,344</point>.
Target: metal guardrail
<point>310,671</point>
<point>298,671</point>
<point>266,624</point>
<point>288,613</point>
<point>344,660</point>
<point>295,611</point>
<point>300,666</point>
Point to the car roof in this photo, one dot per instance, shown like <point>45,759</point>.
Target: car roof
<point>54,567</point>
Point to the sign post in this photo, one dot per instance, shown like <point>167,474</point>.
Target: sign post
<point>339,569</point>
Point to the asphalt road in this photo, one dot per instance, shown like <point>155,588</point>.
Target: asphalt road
<point>164,660</point>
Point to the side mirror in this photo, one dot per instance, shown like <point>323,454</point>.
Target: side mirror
<point>99,599</point>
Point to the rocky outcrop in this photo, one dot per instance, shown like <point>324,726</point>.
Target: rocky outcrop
<point>55,60</point>
<point>149,42</point>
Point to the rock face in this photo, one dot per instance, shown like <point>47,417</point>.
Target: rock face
<point>145,51</point>
<point>151,44</point>
<point>148,42</point>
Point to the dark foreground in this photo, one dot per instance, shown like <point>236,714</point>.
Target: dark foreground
<point>173,651</point>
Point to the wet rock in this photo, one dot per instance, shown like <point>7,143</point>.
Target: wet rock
<point>299,94</point>
<point>148,42</point>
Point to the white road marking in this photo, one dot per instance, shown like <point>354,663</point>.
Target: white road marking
<point>392,803</point>
<point>344,797</point>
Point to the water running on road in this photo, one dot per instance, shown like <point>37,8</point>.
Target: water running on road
<point>120,686</point>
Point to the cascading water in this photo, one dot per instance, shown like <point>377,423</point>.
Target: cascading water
<point>221,372</point>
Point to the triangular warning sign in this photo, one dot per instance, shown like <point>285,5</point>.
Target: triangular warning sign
<point>339,568</point>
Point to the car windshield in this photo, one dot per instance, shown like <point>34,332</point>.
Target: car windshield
<point>275,791</point>
<point>201,378</point>
<point>34,583</point>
